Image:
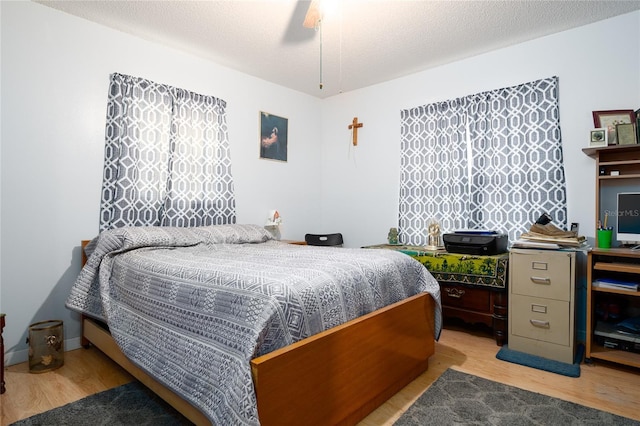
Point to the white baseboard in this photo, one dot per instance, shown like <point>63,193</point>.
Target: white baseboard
<point>17,357</point>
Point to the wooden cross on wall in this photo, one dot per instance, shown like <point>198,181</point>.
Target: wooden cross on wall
<point>355,126</point>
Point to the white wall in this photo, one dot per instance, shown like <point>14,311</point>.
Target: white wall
<point>598,68</point>
<point>55,75</point>
<point>55,70</point>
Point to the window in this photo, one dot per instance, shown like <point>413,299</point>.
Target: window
<point>487,161</point>
<point>167,157</point>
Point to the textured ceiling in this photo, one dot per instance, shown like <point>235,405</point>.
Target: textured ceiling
<point>363,42</point>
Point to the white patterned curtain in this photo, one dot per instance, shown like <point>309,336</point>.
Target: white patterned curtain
<point>167,159</point>
<point>509,151</point>
<point>434,168</point>
<point>517,171</point>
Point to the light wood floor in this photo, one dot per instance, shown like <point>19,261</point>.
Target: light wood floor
<point>603,386</point>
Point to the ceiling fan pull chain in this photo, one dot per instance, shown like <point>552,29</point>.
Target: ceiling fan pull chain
<point>340,54</point>
<point>320,29</point>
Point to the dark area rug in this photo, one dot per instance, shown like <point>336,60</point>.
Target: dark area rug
<point>540,363</point>
<point>130,404</point>
<point>462,399</point>
<point>454,399</point>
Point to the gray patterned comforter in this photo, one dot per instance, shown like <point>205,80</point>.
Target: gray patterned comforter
<point>193,306</point>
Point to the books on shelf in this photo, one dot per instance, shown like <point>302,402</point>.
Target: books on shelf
<point>615,284</point>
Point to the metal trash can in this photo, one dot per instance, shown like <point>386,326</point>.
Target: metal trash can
<point>46,346</point>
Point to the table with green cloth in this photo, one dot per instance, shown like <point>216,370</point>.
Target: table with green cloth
<point>467,269</point>
<point>474,287</point>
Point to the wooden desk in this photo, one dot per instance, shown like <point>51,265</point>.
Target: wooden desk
<point>473,288</point>
<point>2,388</point>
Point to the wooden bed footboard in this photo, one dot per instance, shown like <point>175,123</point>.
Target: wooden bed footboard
<point>340,376</point>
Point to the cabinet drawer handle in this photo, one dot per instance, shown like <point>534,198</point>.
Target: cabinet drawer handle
<point>540,280</point>
<point>454,292</point>
<point>539,323</point>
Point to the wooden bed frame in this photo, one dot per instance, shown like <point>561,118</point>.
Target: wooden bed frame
<point>335,377</point>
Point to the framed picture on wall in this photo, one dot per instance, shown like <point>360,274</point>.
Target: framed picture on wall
<point>610,119</point>
<point>273,137</point>
<point>598,138</point>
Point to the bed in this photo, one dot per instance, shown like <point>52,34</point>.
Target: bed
<point>232,327</point>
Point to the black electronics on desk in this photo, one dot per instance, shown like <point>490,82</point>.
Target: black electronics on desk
<point>479,243</point>
<point>609,336</point>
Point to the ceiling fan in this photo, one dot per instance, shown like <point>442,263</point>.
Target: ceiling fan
<point>313,19</point>
<point>314,15</point>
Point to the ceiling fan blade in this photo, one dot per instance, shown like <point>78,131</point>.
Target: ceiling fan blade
<point>313,15</point>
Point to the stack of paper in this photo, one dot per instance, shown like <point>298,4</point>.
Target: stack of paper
<point>522,243</point>
<point>563,241</point>
<point>615,284</point>
<point>551,236</point>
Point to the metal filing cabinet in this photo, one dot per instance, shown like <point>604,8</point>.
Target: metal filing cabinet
<point>542,303</point>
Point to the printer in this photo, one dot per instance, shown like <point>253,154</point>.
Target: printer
<point>484,243</point>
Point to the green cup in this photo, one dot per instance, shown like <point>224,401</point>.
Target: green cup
<point>604,238</point>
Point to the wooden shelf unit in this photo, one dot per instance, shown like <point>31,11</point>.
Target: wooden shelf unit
<point>617,267</point>
<point>612,263</point>
<point>615,153</point>
<point>616,165</point>
<point>616,168</point>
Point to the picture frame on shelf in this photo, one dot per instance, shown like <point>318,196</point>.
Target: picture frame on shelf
<point>626,134</point>
<point>599,138</point>
<point>273,137</point>
<point>610,118</point>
